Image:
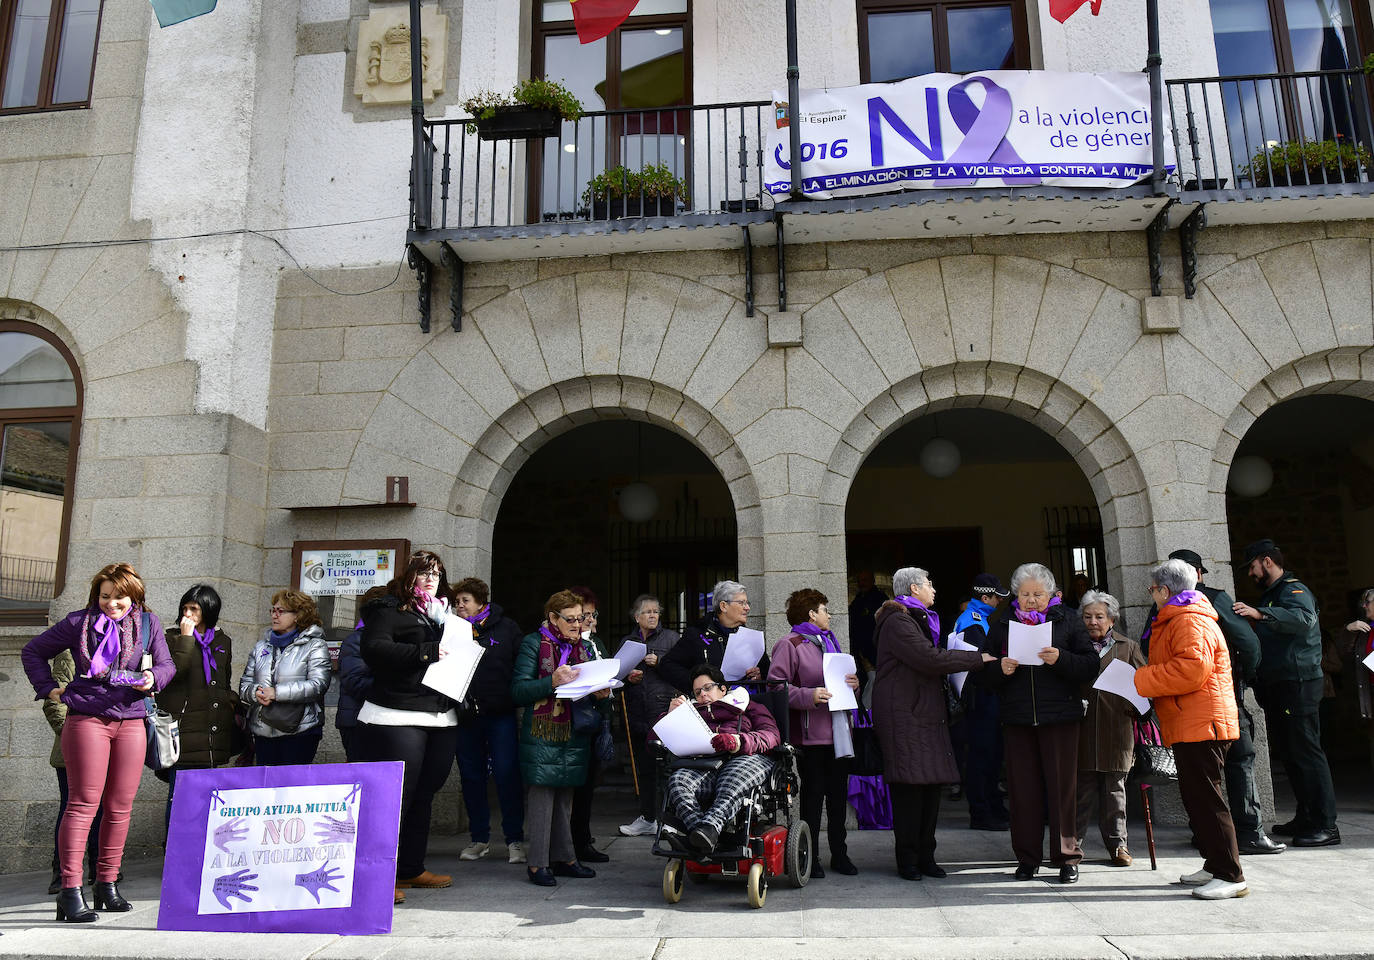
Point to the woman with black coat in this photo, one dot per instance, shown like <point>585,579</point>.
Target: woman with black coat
<point>1041,709</point>
<point>402,719</point>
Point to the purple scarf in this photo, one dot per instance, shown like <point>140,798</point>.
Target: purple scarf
<point>207,659</point>
<point>479,616</point>
<point>809,629</point>
<point>564,647</point>
<point>932,618</point>
<point>1034,616</point>
<point>1180,599</point>
<point>107,652</point>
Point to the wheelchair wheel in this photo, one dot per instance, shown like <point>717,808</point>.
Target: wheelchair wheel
<point>672,881</point>
<point>796,858</point>
<point>758,886</point>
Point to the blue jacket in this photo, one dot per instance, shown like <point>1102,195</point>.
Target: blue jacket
<point>978,614</point>
<point>355,680</point>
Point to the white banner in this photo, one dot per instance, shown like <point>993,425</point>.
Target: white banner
<point>342,573</point>
<point>1000,128</point>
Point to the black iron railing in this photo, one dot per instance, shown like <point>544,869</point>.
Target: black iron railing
<point>609,165</point>
<point>1262,131</point>
<point>28,579</point>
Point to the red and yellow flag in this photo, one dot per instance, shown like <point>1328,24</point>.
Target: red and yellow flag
<point>1061,10</point>
<point>595,19</point>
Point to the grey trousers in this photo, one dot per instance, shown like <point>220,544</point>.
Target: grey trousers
<point>1106,792</point>
<point>548,826</point>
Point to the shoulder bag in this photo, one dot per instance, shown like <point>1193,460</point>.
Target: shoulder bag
<point>1154,763</point>
<point>163,730</point>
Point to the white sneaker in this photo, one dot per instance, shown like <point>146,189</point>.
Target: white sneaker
<point>515,851</point>
<point>1218,889</point>
<point>1195,879</point>
<point>640,828</point>
<point>474,851</point>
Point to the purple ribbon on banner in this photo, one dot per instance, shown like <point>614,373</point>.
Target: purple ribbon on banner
<point>985,131</point>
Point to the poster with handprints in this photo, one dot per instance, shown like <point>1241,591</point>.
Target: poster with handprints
<point>304,849</point>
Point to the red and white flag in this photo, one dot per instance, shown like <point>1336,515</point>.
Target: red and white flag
<point>595,19</point>
<point>1061,10</point>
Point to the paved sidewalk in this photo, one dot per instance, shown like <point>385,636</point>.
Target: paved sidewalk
<point>1305,903</point>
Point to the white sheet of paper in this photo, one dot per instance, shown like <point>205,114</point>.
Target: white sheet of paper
<point>631,652</point>
<point>452,673</point>
<point>1119,678</point>
<point>1025,641</point>
<point>956,641</point>
<point>1369,661</point>
<point>744,650</point>
<point>834,668</point>
<point>591,676</point>
<point>684,733</point>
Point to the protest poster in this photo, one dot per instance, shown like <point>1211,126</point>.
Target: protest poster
<point>299,849</point>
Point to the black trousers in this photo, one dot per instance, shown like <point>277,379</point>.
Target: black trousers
<point>915,811</point>
<point>427,753</point>
<point>1242,793</point>
<point>825,780</point>
<point>1290,711</point>
<point>1199,784</point>
<point>582,805</point>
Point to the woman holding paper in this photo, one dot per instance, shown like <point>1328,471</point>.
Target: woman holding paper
<point>1106,746</point>
<point>1359,637</point>
<point>553,756</point>
<point>911,715</point>
<point>825,746</point>
<point>709,641</point>
<point>121,656</point>
<point>1189,678</point>
<point>402,718</point>
<point>1041,708</point>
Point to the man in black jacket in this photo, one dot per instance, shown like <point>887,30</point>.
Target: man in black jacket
<point>490,736</point>
<point>706,643</point>
<point>1241,790</point>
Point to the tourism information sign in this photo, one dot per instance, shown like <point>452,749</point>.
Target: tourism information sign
<point>304,849</point>
<point>345,572</point>
<point>999,128</point>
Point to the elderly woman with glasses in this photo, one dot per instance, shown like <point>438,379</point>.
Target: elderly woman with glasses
<point>706,642</point>
<point>553,756</point>
<point>284,682</point>
<point>1041,708</point>
<point>1189,679</point>
<point>1106,746</point>
<point>647,696</point>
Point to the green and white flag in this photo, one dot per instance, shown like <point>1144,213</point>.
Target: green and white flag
<point>174,11</point>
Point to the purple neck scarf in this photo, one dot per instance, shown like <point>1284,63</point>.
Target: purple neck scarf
<point>932,618</point>
<point>207,659</point>
<point>1180,599</point>
<point>1034,616</point>
<point>107,652</point>
<point>479,616</point>
<point>809,629</point>
<point>564,647</point>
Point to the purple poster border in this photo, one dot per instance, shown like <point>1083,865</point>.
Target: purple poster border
<point>374,880</point>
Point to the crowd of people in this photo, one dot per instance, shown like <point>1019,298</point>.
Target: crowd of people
<point>1062,747</point>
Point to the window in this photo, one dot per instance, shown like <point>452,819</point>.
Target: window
<point>904,39</point>
<point>644,66</point>
<point>40,418</point>
<point>47,53</point>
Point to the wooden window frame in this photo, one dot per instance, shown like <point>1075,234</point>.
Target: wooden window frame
<point>47,83</point>
<point>1283,43</point>
<point>71,414</point>
<point>1020,32</point>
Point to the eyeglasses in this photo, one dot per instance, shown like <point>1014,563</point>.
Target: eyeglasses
<point>703,688</point>
<point>425,574</point>
<point>280,611</point>
<point>590,616</point>
<point>569,619</point>
<point>742,603</point>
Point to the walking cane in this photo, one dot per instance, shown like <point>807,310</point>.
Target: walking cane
<point>629,741</point>
<point>1149,825</point>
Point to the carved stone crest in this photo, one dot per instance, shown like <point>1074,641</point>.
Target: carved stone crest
<point>383,71</point>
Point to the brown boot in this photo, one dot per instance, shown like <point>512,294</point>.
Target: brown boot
<point>427,879</point>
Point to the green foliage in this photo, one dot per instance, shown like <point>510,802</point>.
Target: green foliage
<point>1368,65</point>
<point>534,93</point>
<point>654,182</point>
<point>1315,161</point>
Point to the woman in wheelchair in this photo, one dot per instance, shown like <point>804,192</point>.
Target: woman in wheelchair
<point>701,802</point>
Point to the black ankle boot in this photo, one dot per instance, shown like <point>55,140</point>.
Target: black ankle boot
<point>71,906</point>
<point>106,894</point>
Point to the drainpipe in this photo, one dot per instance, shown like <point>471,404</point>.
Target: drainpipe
<point>793,100</point>
<point>418,154</point>
<point>1153,63</point>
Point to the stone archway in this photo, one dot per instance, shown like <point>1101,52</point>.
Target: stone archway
<point>1076,423</point>
<point>489,467</point>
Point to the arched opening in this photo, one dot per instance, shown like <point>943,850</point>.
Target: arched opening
<point>1303,475</point>
<point>578,512</point>
<point>1014,494</point>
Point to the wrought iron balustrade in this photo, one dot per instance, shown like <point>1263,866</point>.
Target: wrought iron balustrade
<point>1258,132</point>
<point>703,159</point>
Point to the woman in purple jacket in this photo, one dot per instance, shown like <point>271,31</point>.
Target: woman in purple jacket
<point>825,758</point>
<point>121,656</point>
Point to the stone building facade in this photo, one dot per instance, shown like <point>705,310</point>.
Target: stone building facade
<point>229,380</point>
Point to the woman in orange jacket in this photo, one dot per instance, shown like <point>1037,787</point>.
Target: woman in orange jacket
<point>1189,679</point>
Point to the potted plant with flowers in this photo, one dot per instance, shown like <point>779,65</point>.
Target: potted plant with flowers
<point>533,109</point>
<point>619,192</point>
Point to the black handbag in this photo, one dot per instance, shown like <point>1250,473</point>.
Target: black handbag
<point>586,718</point>
<point>1154,763</point>
<point>953,705</point>
<point>868,753</point>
